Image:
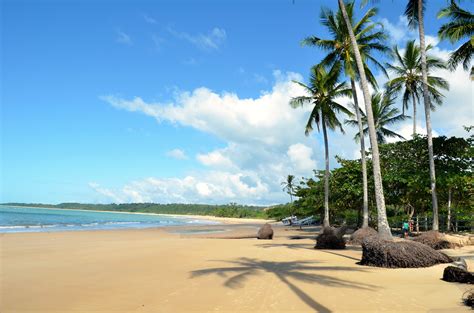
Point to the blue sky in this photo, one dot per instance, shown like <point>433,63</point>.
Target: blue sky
<point>100,100</point>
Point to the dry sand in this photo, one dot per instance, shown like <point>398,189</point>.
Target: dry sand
<point>159,270</point>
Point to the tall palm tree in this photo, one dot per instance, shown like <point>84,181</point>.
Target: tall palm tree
<point>324,87</point>
<point>414,12</point>
<point>408,78</point>
<point>289,187</point>
<point>340,50</point>
<point>461,25</point>
<point>382,221</point>
<point>384,115</point>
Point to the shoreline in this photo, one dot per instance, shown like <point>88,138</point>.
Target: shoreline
<point>223,220</point>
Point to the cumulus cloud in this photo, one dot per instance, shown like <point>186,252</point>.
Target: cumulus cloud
<point>212,40</point>
<point>301,158</point>
<point>177,154</point>
<point>264,139</point>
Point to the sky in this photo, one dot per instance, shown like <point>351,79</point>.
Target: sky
<point>175,101</point>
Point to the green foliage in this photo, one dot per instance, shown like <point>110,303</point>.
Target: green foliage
<point>279,212</point>
<point>459,27</point>
<point>405,173</point>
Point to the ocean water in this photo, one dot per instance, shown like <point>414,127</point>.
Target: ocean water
<point>25,219</point>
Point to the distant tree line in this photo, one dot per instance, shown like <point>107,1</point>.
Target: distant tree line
<point>226,210</point>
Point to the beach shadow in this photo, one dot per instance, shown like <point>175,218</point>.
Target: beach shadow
<point>305,271</point>
<point>341,255</point>
<point>293,246</point>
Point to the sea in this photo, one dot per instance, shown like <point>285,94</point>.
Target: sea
<point>30,219</point>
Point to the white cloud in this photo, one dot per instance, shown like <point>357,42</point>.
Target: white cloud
<point>401,33</point>
<point>215,159</point>
<point>301,158</point>
<point>212,40</point>
<point>123,38</point>
<point>107,193</point>
<point>177,154</point>
<point>264,139</point>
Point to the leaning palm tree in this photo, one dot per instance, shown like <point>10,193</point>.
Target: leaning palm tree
<point>339,49</point>
<point>385,115</point>
<point>323,88</point>
<point>460,26</point>
<point>408,78</point>
<point>414,12</point>
<point>289,187</point>
<point>382,221</point>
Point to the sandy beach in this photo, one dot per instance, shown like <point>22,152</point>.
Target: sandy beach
<point>192,269</point>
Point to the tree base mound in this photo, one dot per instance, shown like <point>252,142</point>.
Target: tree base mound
<point>435,240</point>
<point>469,299</point>
<point>265,232</point>
<point>331,238</point>
<point>457,275</point>
<point>402,254</point>
<point>359,235</point>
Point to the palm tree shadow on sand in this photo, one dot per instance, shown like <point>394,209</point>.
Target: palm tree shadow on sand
<point>303,271</point>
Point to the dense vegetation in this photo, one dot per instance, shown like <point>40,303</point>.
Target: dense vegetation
<point>399,182</point>
<point>405,174</point>
<point>228,210</point>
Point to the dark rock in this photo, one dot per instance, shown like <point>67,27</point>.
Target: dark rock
<point>331,238</point>
<point>456,274</point>
<point>265,232</point>
<point>401,254</point>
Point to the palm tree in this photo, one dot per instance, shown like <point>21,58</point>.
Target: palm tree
<point>340,50</point>
<point>408,79</point>
<point>414,12</point>
<point>289,187</point>
<point>384,115</point>
<point>461,25</point>
<point>382,222</point>
<point>323,88</point>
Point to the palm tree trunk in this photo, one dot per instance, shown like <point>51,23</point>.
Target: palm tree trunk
<point>448,224</point>
<point>365,206</point>
<point>382,222</point>
<point>414,115</point>
<point>426,99</point>
<point>326,175</point>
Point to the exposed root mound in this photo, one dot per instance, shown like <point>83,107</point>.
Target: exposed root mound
<point>331,238</point>
<point>402,254</point>
<point>265,232</point>
<point>457,275</point>
<point>359,235</point>
<point>468,298</point>
<point>435,240</point>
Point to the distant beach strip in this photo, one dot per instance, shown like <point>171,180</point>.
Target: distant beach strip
<point>30,219</point>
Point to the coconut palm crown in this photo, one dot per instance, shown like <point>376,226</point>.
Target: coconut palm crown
<point>323,88</point>
<point>460,26</point>
<point>407,77</point>
<point>369,39</point>
<point>385,114</point>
